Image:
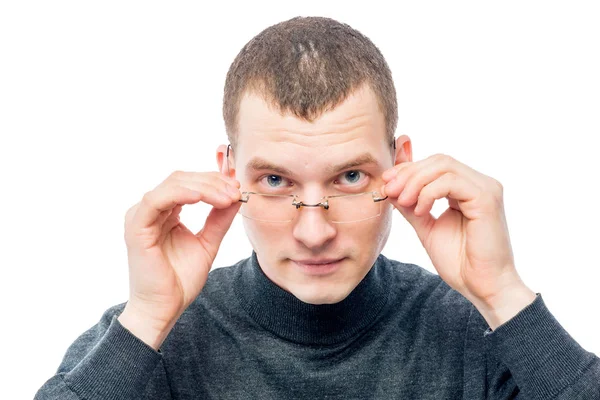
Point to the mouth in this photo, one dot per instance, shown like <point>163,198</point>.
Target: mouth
<point>318,266</point>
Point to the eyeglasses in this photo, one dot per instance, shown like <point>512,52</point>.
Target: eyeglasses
<point>342,208</point>
<point>281,208</point>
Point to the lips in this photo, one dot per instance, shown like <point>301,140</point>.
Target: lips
<point>319,267</point>
<point>321,261</point>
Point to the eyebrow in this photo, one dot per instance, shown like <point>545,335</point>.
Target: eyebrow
<point>260,164</point>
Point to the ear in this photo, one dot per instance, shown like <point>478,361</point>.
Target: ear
<point>226,167</point>
<point>403,149</point>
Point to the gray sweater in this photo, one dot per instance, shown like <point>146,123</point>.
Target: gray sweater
<point>403,333</point>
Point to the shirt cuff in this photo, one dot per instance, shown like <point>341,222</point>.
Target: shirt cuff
<point>118,367</point>
<point>540,354</point>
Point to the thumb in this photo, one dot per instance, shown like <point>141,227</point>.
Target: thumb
<point>216,226</point>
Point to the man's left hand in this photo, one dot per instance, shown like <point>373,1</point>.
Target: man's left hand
<point>468,244</point>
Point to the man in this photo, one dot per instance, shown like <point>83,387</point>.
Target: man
<point>317,311</point>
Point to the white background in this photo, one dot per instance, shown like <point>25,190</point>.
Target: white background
<point>101,101</point>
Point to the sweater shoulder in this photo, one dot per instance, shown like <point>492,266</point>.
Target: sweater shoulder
<point>217,295</point>
<point>221,278</point>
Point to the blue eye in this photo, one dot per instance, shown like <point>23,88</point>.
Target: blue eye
<point>273,180</point>
<point>352,177</point>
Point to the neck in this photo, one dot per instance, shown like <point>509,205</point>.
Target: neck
<point>290,318</point>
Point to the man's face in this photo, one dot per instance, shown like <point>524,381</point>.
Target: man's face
<point>354,129</point>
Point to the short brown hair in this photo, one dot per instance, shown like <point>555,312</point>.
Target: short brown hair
<point>308,65</point>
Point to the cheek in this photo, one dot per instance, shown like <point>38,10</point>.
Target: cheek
<point>265,237</point>
<point>380,228</point>
<point>371,237</point>
<point>385,225</point>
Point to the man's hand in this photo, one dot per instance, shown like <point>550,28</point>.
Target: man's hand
<point>168,264</point>
<point>468,244</point>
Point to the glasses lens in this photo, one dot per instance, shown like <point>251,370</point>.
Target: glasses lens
<point>263,207</point>
<point>353,208</point>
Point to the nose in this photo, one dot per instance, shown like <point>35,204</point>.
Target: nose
<point>312,228</point>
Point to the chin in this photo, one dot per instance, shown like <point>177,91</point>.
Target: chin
<point>330,297</point>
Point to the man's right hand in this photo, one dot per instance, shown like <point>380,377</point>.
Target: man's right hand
<point>168,264</point>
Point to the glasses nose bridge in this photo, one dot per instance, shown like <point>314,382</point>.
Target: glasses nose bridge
<point>311,219</point>
<point>323,203</point>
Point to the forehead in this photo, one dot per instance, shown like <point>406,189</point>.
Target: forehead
<point>354,127</point>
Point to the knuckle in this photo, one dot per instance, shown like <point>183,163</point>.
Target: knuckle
<point>443,158</point>
<point>224,185</point>
<point>177,174</point>
<point>448,179</point>
<point>199,187</point>
<point>449,176</point>
<point>131,212</point>
<point>499,186</point>
<point>128,221</point>
<point>221,179</point>
<point>147,198</point>
<point>424,194</point>
<point>496,187</point>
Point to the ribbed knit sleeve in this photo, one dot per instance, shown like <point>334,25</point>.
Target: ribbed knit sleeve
<point>107,362</point>
<point>544,361</point>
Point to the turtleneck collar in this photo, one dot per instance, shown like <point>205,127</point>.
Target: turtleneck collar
<point>285,315</point>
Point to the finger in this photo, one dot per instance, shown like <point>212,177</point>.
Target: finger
<point>166,197</point>
<point>402,173</point>
<point>425,170</point>
<point>215,191</point>
<point>216,178</point>
<point>169,224</point>
<point>451,186</point>
<point>166,215</point>
<point>216,226</point>
<point>393,172</point>
<point>162,199</point>
<point>410,181</point>
<point>453,204</point>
